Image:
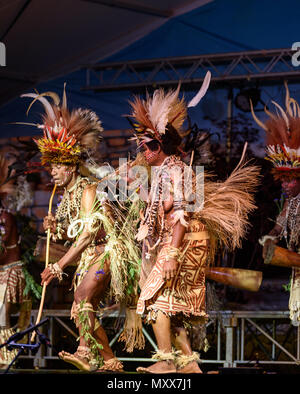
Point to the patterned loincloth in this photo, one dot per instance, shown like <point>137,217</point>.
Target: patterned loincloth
<point>12,285</point>
<point>12,277</point>
<point>185,294</point>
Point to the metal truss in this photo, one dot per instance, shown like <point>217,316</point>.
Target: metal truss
<point>238,338</point>
<point>276,341</point>
<point>190,70</point>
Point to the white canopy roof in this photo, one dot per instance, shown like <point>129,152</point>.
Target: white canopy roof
<point>45,39</point>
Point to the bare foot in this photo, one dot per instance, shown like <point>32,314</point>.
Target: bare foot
<point>75,359</point>
<point>111,365</point>
<point>159,367</point>
<point>192,367</point>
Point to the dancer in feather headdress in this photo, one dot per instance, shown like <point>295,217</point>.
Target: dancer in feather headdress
<point>69,138</point>
<point>179,233</point>
<point>283,151</point>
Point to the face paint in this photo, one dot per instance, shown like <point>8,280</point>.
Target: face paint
<point>291,187</point>
<point>66,177</point>
<point>61,174</point>
<point>149,154</point>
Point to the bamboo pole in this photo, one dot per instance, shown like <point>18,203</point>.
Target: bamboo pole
<point>46,265</point>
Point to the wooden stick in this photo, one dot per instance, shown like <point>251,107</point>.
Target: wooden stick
<point>46,265</point>
<point>192,158</point>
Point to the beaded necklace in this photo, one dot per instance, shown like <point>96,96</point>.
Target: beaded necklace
<point>291,230</point>
<point>153,223</point>
<point>69,207</point>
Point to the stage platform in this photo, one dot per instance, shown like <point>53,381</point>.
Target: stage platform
<point>239,342</point>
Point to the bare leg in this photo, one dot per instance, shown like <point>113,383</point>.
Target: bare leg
<point>90,290</point>
<point>162,331</point>
<point>101,337</point>
<point>89,293</point>
<point>181,342</point>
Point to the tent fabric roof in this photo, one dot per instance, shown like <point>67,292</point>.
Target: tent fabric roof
<point>58,40</point>
<point>49,38</point>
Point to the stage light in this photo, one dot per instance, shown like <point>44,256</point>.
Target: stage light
<point>242,99</point>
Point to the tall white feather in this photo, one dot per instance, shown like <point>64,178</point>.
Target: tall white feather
<point>159,106</point>
<point>195,100</point>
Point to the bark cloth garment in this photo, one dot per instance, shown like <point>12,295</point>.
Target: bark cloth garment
<point>185,294</point>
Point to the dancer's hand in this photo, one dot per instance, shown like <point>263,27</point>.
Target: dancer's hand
<point>50,222</point>
<point>267,246</point>
<point>47,276</point>
<point>169,268</point>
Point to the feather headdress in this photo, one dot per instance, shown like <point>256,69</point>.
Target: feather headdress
<point>67,134</point>
<point>283,137</point>
<point>153,116</point>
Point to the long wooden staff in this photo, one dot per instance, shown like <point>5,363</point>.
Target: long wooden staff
<point>46,265</point>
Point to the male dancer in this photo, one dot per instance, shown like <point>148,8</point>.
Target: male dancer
<point>283,150</point>
<point>69,138</point>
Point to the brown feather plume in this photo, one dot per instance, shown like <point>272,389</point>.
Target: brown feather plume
<point>227,206</point>
<point>139,112</point>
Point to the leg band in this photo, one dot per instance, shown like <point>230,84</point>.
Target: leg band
<point>162,356</point>
<point>182,359</point>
